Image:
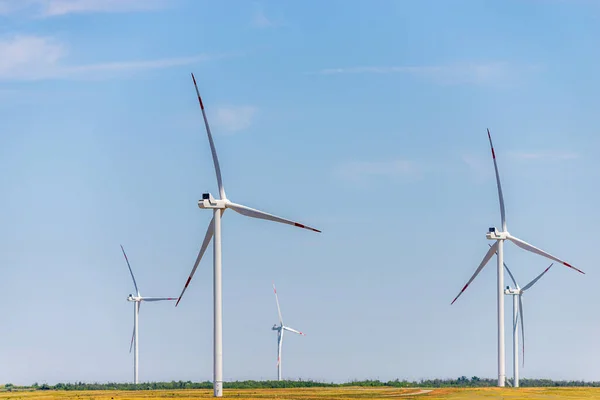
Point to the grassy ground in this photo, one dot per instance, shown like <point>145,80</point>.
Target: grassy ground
<point>322,393</point>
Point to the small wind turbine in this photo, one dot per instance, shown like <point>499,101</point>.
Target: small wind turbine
<point>517,294</point>
<point>137,301</point>
<point>498,248</point>
<point>280,328</point>
<point>214,229</point>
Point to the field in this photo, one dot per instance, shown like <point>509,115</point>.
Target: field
<point>319,393</point>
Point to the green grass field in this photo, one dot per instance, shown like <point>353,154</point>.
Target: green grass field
<point>320,393</point>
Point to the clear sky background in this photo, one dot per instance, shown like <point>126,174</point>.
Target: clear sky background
<point>365,119</point>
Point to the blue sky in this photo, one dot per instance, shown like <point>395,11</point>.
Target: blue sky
<point>364,119</point>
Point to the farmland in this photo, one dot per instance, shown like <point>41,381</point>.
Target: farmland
<point>318,393</point>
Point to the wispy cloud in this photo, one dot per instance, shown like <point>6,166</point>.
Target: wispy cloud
<point>234,118</point>
<point>361,171</point>
<point>551,155</point>
<point>260,20</point>
<point>39,57</point>
<point>466,73</point>
<point>51,8</point>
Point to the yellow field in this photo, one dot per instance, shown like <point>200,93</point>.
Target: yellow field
<point>321,393</point>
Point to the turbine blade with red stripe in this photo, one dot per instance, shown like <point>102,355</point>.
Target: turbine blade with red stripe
<point>251,212</point>
<point>485,260</point>
<point>529,247</point>
<point>212,144</point>
<point>205,243</point>
<point>500,196</point>
<point>158,298</point>
<point>293,330</point>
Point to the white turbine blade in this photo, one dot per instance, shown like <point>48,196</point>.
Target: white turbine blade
<point>279,344</point>
<point>293,330</point>
<point>158,298</point>
<point>132,339</point>
<point>207,239</point>
<point>130,271</point>
<point>277,301</point>
<point>530,284</point>
<point>251,212</point>
<point>511,276</point>
<point>526,246</point>
<point>522,327</point>
<point>500,196</point>
<point>509,273</point>
<point>212,144</point>
<point>485,260</point>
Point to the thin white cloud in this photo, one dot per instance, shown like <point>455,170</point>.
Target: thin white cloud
<point>38,57</point>
<point>551,155</point>
<point>466,73</point>
<point>260,20</point>
<point>52,8</point>
<point>234,119</point>
<point>364,170</point>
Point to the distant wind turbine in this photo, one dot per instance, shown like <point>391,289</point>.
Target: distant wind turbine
<point>137,301</point>
<point>517,294</point>
<point>498,249</point>
<point>280,328</point>
<point>214,229</point>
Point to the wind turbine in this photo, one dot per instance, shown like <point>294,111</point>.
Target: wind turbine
<point>137,301</point>
<point>498,248</point>
<point>517,294</point>
<point>214,229</point>
<point>280,328</point>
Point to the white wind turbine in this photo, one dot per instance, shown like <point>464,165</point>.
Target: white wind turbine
<point>137,301</point>
<point>498,248</point>
<point>517,294</point>
<point>214,229</point>
<point>280,328</point>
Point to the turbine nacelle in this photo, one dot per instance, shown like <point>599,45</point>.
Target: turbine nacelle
<point>208,201</point>
<point>494,234</point>
<point>131,298</point>
<point>276,327</point>
<point>513,292</point>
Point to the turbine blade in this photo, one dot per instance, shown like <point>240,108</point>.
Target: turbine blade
<point>522,327</point>
<point>278,308</point>
<point>511,276</point>
<point>130,271</point>
<point>132,339</point>
<point>500,196</point>
<point>509,273</point>
<point>205,243</point>
<point>158,298</point>
<point>485,260</point>
<point>530,284</point>
<point>526,246</point>
<point>212,144</point>
<point>251,212</point>
<point>279,344</point>
<point>293,330</point>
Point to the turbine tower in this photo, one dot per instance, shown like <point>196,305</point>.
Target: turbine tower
<point>137,301</point>
<point>218,206</point>
<point>517,294</point>
<point>280,328</point>
<point>498,247</point>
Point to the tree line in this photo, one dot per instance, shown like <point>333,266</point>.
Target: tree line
<point>463,381</point>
